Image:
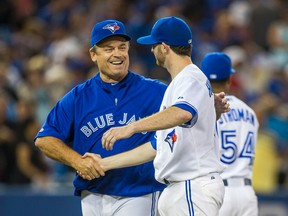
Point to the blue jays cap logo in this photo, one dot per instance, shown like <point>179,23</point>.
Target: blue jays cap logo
<point>112,27</point>
<point>106,29</point>
<point>171,139</point>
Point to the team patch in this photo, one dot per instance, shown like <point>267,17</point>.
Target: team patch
<point>112,27</point>
<point>171,138</point>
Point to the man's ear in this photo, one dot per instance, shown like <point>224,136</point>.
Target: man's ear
<point>165,47</point>
<point>93,55</point>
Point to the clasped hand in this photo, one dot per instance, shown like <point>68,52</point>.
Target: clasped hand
<point>90,166</point>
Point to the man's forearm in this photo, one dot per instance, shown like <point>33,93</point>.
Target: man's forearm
<point>57,150</point>
<point>168,118</point>
<point>136,156</point>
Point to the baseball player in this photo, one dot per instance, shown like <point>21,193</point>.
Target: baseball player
<point>187,155</point>
<point>113,97</point>
<point>237,131</point>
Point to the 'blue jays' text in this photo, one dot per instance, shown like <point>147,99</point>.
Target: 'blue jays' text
<point>103,121</point>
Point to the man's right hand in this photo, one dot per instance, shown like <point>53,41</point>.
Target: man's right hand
<point>89,167</point>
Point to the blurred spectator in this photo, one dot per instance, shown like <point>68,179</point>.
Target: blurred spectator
<point>63,45</point>
<point>7,88</point>
<point>6,10</point>
<point>29,40</point>
<point>8,141</point>
<point>33,87</point>
<point>277,38</point>
<point>277,122</point>
<point>31,166</point>
<point>262,15</point>
<point>239,62</point>
<point>57,80</point>
<point>78,70</point>
<point>20,161</point>
<point>266,164</point>
<point>278,84</point>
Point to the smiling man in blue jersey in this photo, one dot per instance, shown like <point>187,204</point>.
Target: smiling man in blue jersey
<point>115,96</point>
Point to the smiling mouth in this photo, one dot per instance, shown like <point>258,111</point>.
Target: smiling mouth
<point>116,62</point>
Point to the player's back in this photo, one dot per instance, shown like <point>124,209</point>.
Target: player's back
<point>188,151</point>
<point>237,132</point>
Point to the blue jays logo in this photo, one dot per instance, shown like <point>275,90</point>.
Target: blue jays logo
<point>112,27</point>
<point>171,139</point>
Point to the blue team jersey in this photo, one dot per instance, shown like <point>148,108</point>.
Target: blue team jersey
<point>88,110</point>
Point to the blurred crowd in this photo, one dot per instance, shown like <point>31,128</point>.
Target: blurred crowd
<point>44,53</point>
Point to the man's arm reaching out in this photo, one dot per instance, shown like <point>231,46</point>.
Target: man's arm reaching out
<point>136,156</point>
<point>56,149</point>
<point>164,119</point>
<point>168,118</point>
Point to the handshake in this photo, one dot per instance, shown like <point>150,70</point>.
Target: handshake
<point>91,166</point>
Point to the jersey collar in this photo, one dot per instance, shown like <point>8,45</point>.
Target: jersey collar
<point>121,84</point>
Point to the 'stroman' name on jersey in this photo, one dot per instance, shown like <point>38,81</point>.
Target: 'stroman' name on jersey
<point>237,115</point>
<point>103,121</point>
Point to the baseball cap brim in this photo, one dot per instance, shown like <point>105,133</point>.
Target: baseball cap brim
<point>148,40</point>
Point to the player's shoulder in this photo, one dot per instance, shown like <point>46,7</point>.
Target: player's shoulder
<point>191,75</point>
<point>192,71</point>
<point>87,84</point>
<point>236,102</point>
<point>81,88</point>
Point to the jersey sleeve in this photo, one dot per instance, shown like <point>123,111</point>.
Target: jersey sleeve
<point>192,111</point>
<point>59,122</point>
<point>188,95</point>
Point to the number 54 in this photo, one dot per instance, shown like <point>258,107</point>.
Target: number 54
<point>228,144</point>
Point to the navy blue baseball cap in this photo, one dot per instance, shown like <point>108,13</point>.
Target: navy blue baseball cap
<point>108,28</point>
<point>170,30</point>
<point>217,66</point>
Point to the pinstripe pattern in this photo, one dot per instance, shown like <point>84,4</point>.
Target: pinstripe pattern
<point>189,197</point>
<point>153,204</point>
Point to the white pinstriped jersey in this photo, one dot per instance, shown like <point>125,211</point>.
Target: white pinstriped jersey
<point>237,131</point>
<point>190,150</point>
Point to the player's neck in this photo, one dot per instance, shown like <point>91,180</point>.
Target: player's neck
<point>220,87</point>
<point>176,64</point>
